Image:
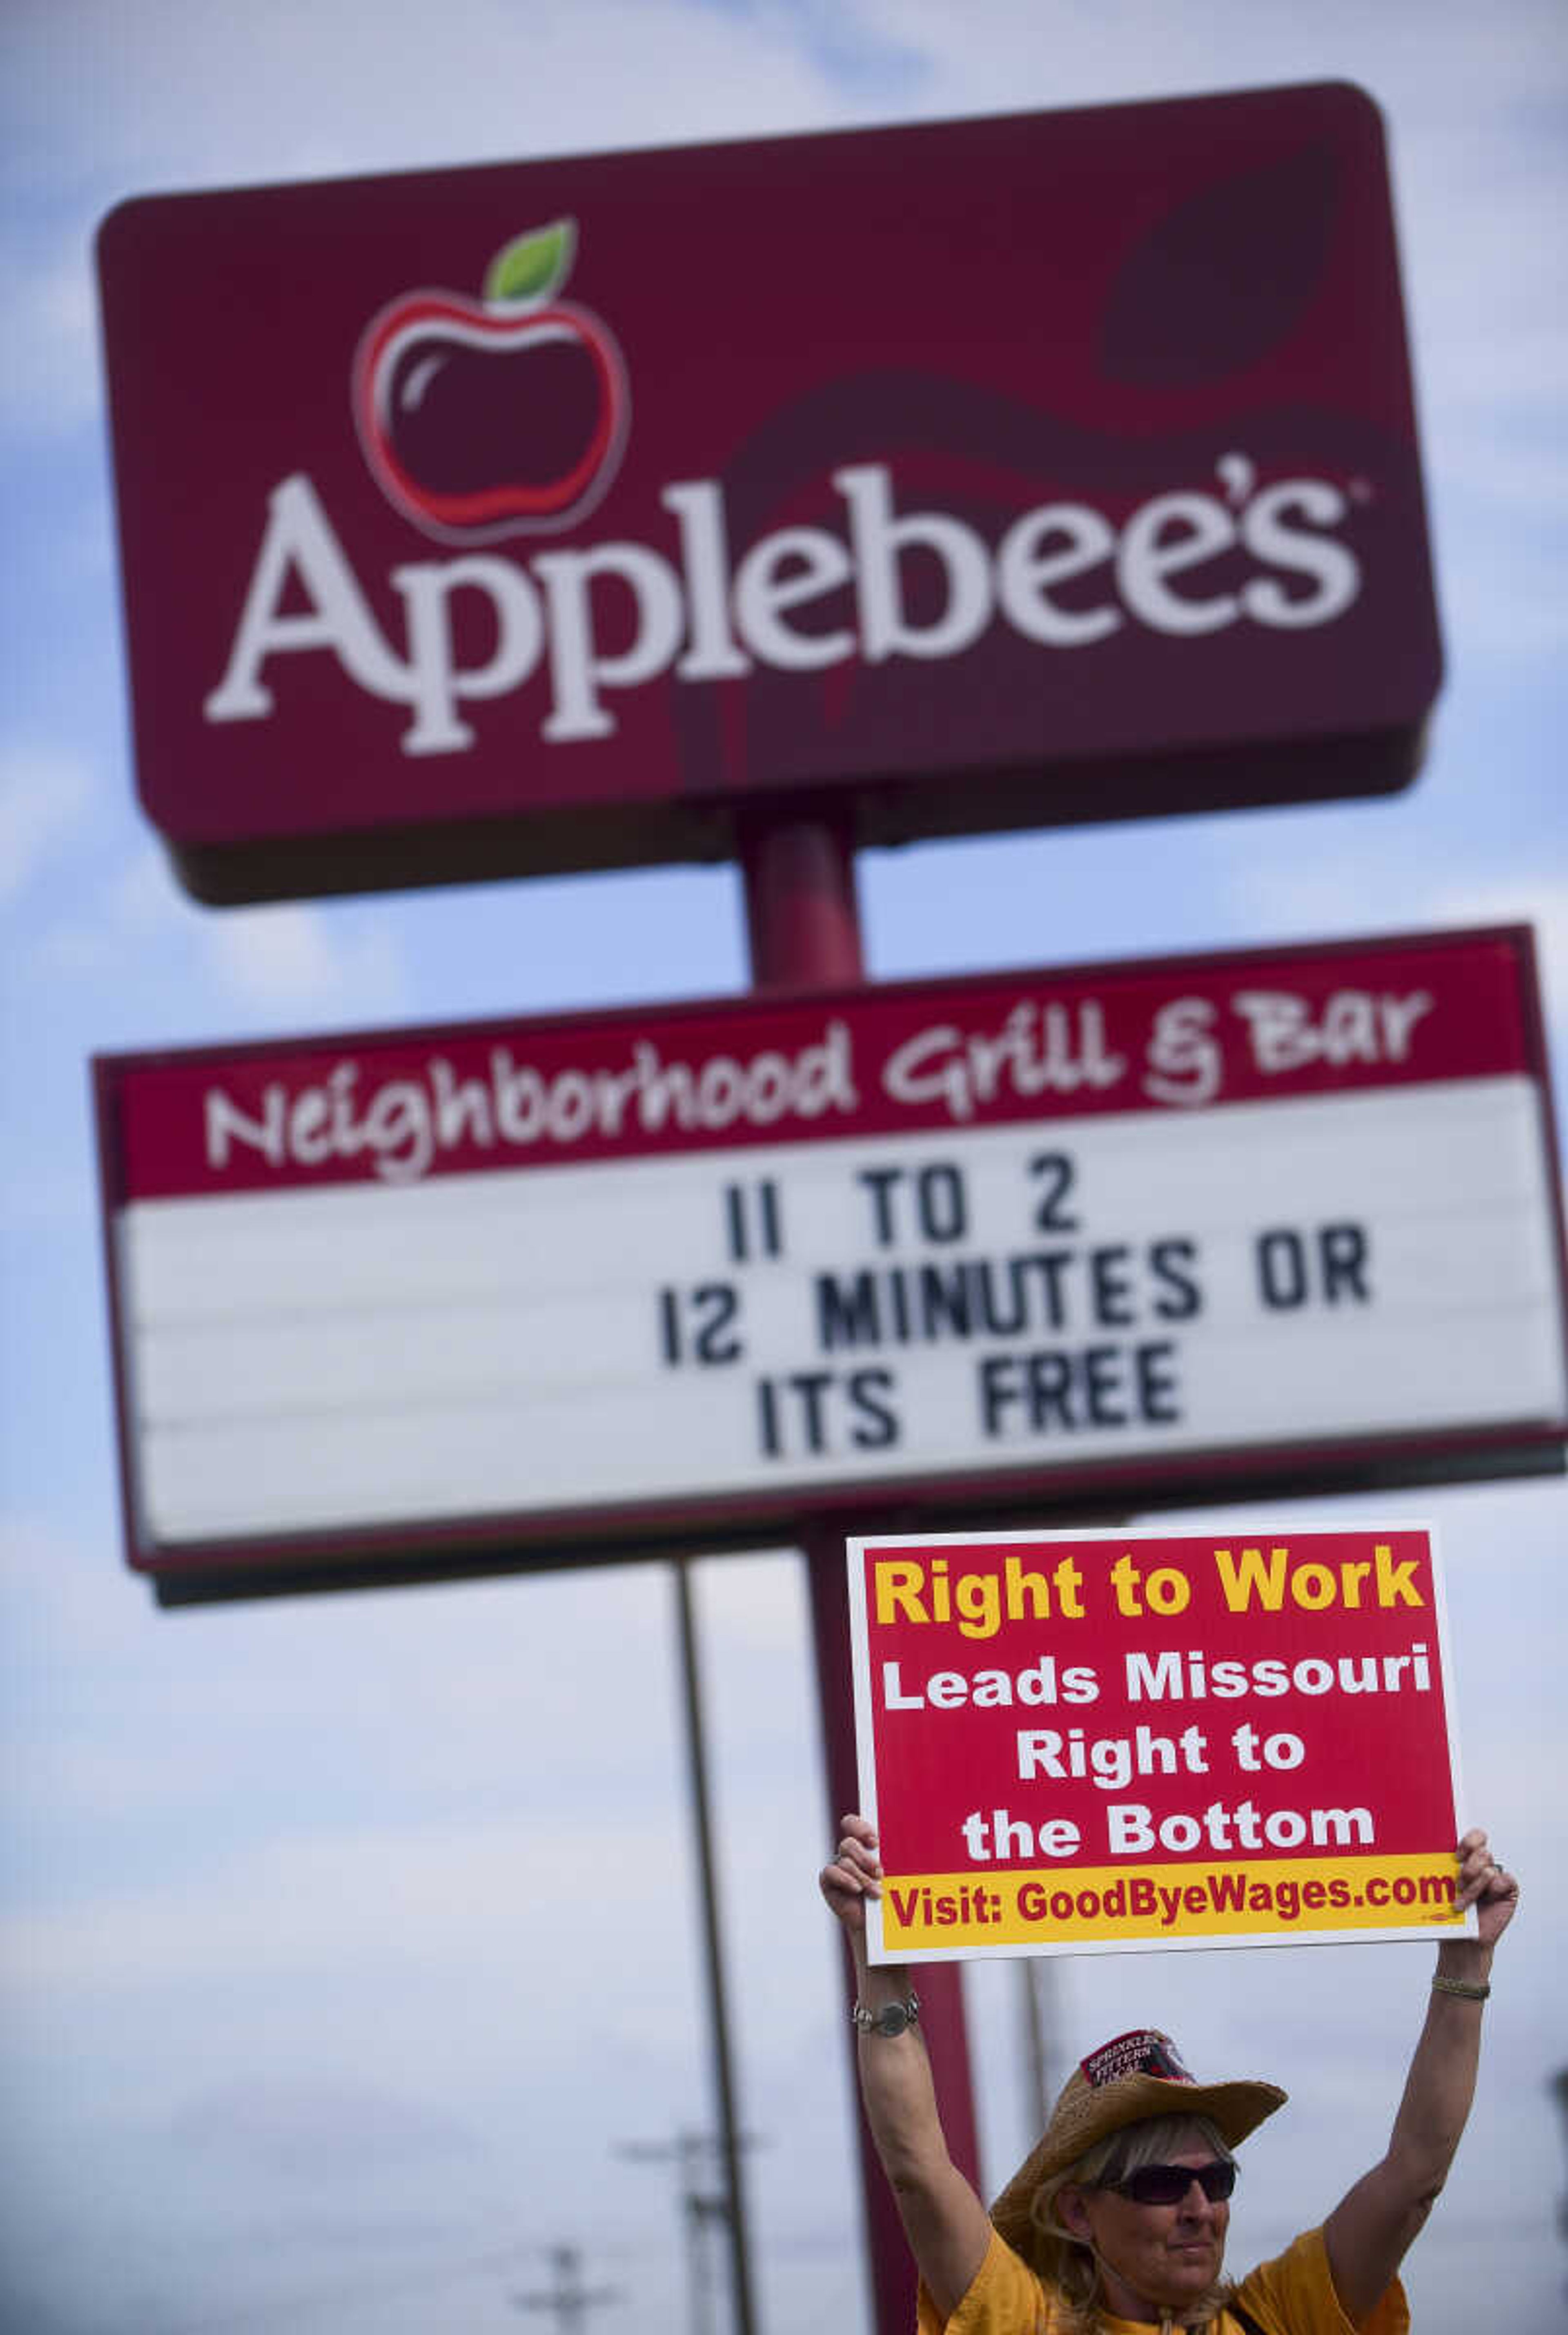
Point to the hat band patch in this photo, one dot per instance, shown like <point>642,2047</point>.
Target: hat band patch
<point>1143,2052</point>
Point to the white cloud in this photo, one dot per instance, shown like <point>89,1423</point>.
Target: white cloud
<point>451,1895</point>
<point>298,2125</point>
<point>340,962</point>
<point>43,793</point>
<point>49,383</point>
<point>758,1605</point>
<point>53,1595</point>
<point>1520,479</point>
<point>1503,599</point>
<point>185,93</point>
<point>289,957</point>
<point>1532,363</point>
<point>144,894</point>
<point>424,1686</point>
<point>131,909</point>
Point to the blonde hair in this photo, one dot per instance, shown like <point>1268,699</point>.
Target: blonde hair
<point>1071,2265</point>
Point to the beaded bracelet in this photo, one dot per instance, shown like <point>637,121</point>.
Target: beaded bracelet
<point>1461,1987</point>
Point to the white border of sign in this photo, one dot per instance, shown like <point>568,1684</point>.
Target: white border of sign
<point>860,1655</point>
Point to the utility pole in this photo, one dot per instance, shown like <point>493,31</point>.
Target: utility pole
<point>1037,1985</point>
<point>701,2206</point>
<point>568,2298</point>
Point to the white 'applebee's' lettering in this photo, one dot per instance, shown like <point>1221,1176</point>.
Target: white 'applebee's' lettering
<point>712,621</point>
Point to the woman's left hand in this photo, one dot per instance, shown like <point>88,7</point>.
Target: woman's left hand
<point>1483,1884</point>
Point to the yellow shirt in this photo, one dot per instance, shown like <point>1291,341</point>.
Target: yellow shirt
<point>1292,2295</point>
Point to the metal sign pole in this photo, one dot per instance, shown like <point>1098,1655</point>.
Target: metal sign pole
<point>728,2136</point>
<point>804,929</point>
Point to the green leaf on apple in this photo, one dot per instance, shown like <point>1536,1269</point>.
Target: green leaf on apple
<point>533,267</point>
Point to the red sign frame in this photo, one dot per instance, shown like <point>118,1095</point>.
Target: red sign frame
<point>299,1116</point>
<point>452,550</point>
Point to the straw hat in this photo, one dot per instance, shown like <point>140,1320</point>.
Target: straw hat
<point>1134,2077</point>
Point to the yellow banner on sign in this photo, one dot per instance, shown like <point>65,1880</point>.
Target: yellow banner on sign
<point>957,1912</point>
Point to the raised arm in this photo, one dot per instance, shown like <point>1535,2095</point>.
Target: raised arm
<point>1368,2233</point>
<point>947,2226</point>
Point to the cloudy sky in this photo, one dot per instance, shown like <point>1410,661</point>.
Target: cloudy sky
<point>345,1943</point>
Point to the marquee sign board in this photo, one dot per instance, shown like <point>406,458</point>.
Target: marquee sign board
<point>1015,472</point>
<point>446,1300</point>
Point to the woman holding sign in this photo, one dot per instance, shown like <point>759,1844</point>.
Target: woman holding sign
<point>1117,2220</point>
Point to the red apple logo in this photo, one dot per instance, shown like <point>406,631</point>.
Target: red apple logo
<point>500,416</point>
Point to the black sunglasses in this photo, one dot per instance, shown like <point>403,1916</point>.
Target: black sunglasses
<point>1168,2185</point>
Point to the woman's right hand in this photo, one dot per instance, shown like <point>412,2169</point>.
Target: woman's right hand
<point>854,1874</point>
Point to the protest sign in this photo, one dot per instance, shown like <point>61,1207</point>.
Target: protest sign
<point>1087,1742</point>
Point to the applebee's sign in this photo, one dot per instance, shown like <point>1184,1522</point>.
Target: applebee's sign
<point>967,479</point>
<point>693,616</point>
